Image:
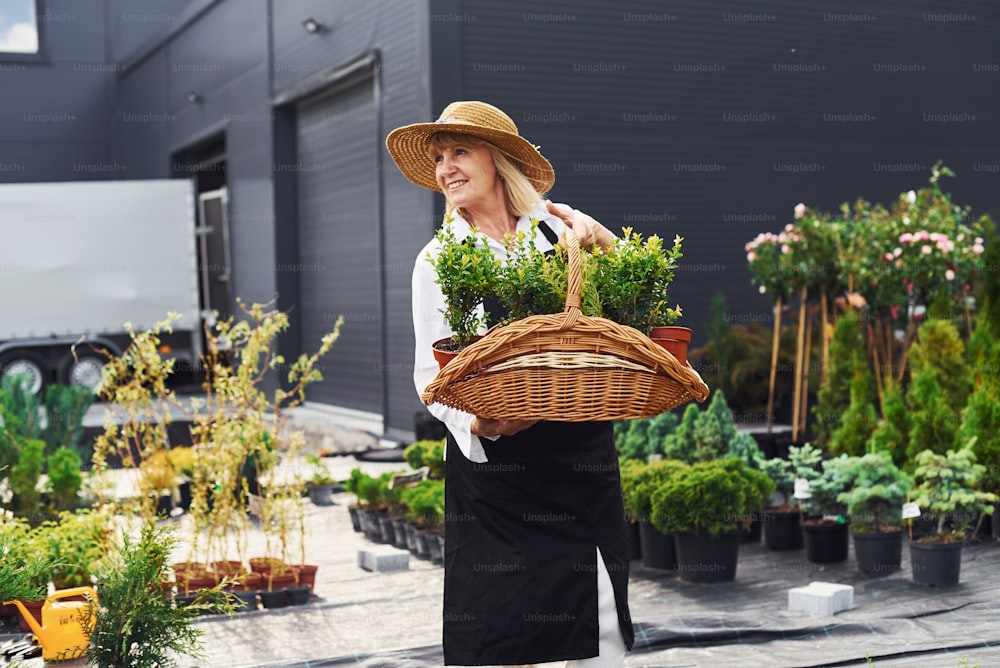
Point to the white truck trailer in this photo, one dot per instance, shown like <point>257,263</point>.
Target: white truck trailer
<point>80,259</point>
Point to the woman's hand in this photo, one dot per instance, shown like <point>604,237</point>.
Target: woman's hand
<point>587,230</point>
<point>489,427</point>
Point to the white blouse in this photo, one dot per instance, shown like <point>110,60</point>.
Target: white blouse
<point>429,323</point>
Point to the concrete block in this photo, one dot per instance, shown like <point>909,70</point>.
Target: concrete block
<point>821,598</point>
<point>383,559</point>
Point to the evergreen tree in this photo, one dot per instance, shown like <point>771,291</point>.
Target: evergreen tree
<point>981,419</point>
<point>660,427</point>
<point>681,444</point>
<point>858,422</point>
<point>892,436</point>
<point>939,388</point>
<point>847,353</point>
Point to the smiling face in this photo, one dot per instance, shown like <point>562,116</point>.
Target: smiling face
<point>466,174</point>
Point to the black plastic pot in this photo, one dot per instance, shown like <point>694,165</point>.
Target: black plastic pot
<point>387,529</point>
<point>658,549</point>
<point>878,554</point>
<point>249,600</point>
<point>634,541</point>
<point>751,535</point>
<point>399,531</point>
<point>321,495</point>
<point>421,548</point>
<point>782,530</point>
<point>184,490</point>
<point>826,542</point>
<point>370,525</point>
<point>274,599</point>
<point>434,547</point>
<point>355,518</point>
<point>298,594</point>
<point>705,558</point>
<point>936,564</point>
<point>411,537</point>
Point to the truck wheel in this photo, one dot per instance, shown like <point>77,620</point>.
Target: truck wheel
<point>30,366</point>
<point>84,370</point>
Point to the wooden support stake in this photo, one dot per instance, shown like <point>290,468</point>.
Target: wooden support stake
<point>797,391</point>
<point>775,340</point>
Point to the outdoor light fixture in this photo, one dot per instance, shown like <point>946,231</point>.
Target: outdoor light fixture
<point>312,25</point>
<point>192,97</point>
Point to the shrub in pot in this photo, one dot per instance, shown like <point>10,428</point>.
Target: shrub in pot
<point>321,483</point>
<point>639,481</point>
<point>425,512</point>
<point>632,280</point>
<point>466,269</point>
<point>426,453</point>
<point>704,505</point>
<point>875,490</point>
<point>782,525</point>
<point>824,527</point>
<point>946,490</point>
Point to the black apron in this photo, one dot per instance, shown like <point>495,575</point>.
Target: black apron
<point>521,531</point>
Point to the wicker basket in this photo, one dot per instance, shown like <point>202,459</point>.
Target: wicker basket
<point>566,367</point>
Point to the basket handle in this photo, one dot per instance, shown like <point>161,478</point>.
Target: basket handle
<point>572,311</point>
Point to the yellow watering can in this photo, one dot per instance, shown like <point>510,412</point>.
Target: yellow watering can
<point>61,632</point>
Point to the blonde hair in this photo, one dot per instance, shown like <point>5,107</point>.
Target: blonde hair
<point>520,195</point>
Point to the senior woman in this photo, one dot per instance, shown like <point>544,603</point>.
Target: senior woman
<point>536,555</point>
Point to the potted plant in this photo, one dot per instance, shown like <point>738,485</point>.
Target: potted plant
<point>824,527</point>
<point>466,270</point>
<point>321,483</point>
<point>531,282</point>
<point>183,460</point>
<point>782,517</point>
<point>632,280</point>
<point>704,505</point>
<point>351,485</point>
<point>639,482</point>
<point>946,490</point>
<point>425,510</point>
<point>875,490</point>
<point>24,569</point>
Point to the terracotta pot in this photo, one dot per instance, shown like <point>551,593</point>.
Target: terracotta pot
<point>189,581</point>
<point>306,574</point>
<point>185,566</point>
<point>445,355</point>
<point>263,565</point>
<point>274,581</point>
<point>228,568</point>
<point>248,582</point>
<point>674,340</point>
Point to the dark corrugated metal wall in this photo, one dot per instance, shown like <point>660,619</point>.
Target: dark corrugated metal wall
<point>712,120</point>
<point>338,255</point>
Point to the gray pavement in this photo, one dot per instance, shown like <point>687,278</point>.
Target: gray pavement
<point>357,618</point>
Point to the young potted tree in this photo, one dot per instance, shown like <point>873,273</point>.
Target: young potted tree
<point>824,528</point>
<point>321,484</point>
<point>875,491</point>
<point>704,506</point>
<point>632,280</point>
<point>466,270</point>
<point>782,517</point>
<point>946,490</point>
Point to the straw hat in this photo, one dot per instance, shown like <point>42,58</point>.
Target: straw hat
<point>408,145</point>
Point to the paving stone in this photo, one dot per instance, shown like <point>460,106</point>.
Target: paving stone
<point>821,598</point>
<point>384,559</point>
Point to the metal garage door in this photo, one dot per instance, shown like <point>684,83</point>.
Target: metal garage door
<point>338,244</point>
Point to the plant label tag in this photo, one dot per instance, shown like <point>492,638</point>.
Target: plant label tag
<point>910,510</point>
<point>409,479</point>
<point>802,489</point>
